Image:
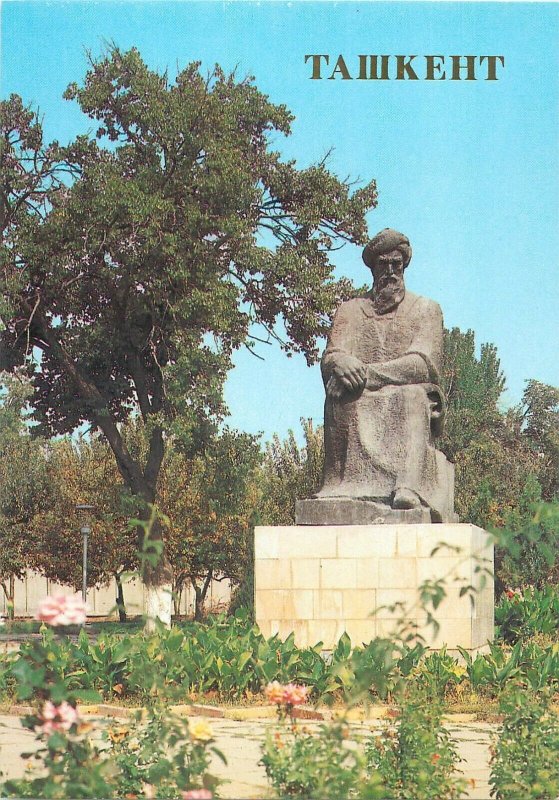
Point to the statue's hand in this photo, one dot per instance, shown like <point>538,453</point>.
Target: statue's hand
<point>349,374</point>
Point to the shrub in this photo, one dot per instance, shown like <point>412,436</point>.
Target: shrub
<point>164,757</point>
<point>319,764</point>
<point>416,760</point>
<point>521,615</point>
<point>524,763</point>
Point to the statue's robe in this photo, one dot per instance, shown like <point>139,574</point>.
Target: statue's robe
<point>381,439</point>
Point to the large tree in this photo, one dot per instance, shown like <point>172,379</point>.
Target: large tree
<point>137,260</point>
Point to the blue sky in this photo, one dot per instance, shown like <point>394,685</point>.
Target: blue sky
<point>468,170</point>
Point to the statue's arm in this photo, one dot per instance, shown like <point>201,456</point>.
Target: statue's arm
<point>341,371</point>
<point>422,361</point>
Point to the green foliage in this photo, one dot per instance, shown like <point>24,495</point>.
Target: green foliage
<point>438,673</point>
<point>164,752</point>
<point>527,547</point>
<point>519,616</point>
<point>83,471</point>
<point>137,261</point>
<point>227,657</point>
<point>319,765</point>
<point>24,485</point>
<point>210,503</point>
<point>417,759</point>
<point>290,473</point>
<point>161,752</point>
<point>68,765</point>
<point>524,762</point>
<point>541,428</point>
<point>492,459</point>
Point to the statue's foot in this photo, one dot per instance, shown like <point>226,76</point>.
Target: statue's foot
<point>405,498</point>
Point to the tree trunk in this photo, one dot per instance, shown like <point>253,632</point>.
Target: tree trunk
<point>200,593</point>
<point>177,592</point>
<point>122,616</point>
<point>9,592</point>
<point>156,572</point>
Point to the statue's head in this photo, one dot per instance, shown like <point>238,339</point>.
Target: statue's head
<point>387,255</point>
<point>385,242</point>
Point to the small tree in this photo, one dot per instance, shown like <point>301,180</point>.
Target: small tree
<point>23,485</point>
<point>138,261</point>
<point>290,473</point>
<point>492,459</point>
<point>84,472</point>
<point>210,504</point>
<point>540,418</point>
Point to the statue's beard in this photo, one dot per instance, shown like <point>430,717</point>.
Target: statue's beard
<point>388,293</point>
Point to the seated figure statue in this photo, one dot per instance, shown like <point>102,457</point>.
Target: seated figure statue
<point>384,403</point>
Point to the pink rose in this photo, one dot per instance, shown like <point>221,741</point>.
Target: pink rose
<point>57,718</point>
<point>197,794</point>
<point>292,694</point>
<point>62,610</point>
<point>274,692</point>
<point>295,694</point>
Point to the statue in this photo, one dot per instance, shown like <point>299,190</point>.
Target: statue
<point>384,403</point>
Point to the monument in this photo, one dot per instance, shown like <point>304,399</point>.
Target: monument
<point>370,536</point>
<point>384,404</point>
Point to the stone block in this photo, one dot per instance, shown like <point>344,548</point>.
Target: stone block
<point>298,604</point>
<point>328,604</point>
<point>338,573</point>
<point>360,631</point>
<point>367,541</point>
<point>358,603</point>
<point>346,511</point>
<point>457,570</point>
<point>273,573</point>
<point>307,542</point>
<point>327,631</point>
<point>406,541</point>
<point>387,598</point>
<point>430,537</point>
<point>266,543</point>
<point>270,603</point>
<point>321,580</point>
<point>297,626</point>
<point>305,573</point>
<point>397,573</point>
<point>367,573</point>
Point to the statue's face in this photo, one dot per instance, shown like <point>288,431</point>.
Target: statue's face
<point>389,266</point>
<point>388,277</point>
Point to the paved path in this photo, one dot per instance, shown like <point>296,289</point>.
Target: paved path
<point>240,743</point>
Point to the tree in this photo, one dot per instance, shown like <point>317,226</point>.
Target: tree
<point>492,459</point>
<point>23,485</point>
<point>210,504</point>
<point>83,471</point>
<point>290,473</point>
<point>138,261</point>
<point>540,420</point>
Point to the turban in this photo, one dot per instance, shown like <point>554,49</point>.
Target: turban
<point>384,242</point>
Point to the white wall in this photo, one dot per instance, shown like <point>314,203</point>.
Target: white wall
<point>101,601</point>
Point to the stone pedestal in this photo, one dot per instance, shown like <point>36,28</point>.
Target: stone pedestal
<point>321,580</point>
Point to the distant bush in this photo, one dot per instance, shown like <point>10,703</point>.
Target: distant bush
<point>522,614</point>
<point>524,763</point>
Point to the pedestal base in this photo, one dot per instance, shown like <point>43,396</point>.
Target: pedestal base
<point>346,511</point>
<point>319,581</point>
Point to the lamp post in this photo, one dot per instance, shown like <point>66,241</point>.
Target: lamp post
<point>85,530</point>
